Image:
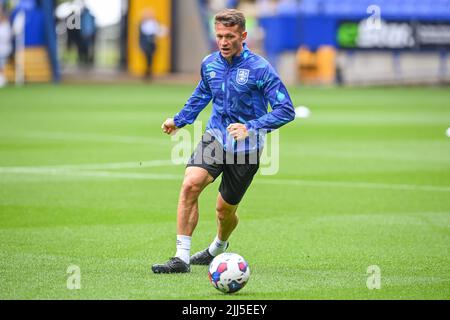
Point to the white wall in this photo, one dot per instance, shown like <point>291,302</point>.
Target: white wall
<point>370,67</point>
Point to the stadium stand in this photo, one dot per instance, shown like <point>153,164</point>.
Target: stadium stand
<point>407,31</point>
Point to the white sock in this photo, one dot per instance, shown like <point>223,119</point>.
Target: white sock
<point>183,248</point>
<point>217,246</point>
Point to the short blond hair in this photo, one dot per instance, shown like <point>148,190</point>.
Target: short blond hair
<point>230,18</point>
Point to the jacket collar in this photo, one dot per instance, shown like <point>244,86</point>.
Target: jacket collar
<point>236,59</point>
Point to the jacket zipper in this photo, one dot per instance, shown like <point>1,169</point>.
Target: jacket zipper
<point>225,107</point>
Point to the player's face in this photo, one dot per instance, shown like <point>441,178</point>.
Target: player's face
<point>229,40</point>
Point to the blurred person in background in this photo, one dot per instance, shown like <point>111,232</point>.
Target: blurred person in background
<point>149,31</point>
<point>88,32</point>
<point>69,14</point>
<point>73,39</point>
<point>5,44</point>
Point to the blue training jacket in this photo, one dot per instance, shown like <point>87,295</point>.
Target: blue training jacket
<point>240,93</point>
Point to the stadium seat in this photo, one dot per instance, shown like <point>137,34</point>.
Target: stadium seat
<point>390,9</point>
<point>37,66</point>
<point>288,7</point>
<point>309,7</point>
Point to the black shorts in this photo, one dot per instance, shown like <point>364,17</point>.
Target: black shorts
<point>237,169</point>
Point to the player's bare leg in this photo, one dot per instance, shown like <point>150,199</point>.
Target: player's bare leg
<point>195,180</point>
<point>227,220</point>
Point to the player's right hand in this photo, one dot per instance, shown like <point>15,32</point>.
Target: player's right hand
<point>169,126</point>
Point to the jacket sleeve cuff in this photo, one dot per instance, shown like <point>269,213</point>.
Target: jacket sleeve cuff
<point>178,121</point>
<point>250,126</point>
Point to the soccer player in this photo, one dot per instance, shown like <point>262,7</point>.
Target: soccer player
<point>240,84</point>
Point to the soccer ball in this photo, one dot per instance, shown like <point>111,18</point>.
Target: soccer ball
<point>228,272</point>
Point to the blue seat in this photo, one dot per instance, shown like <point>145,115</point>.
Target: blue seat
<point>339,8</point>
<point>428,10</point>
<point>309,6</point>
<point>288,7</point>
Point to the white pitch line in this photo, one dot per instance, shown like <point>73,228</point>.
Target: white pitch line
<point>159,176</point>
<point>94,137</point>
<point>101,174</point>
<point>122,175</point>
<point>362,185</point>
<point>68,167</point>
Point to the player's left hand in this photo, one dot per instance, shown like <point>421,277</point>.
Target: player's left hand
<point>238,131</point>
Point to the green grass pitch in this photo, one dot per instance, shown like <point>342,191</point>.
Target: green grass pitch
<point>85,180</point>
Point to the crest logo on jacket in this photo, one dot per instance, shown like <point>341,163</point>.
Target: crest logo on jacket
<point>242,76</point>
